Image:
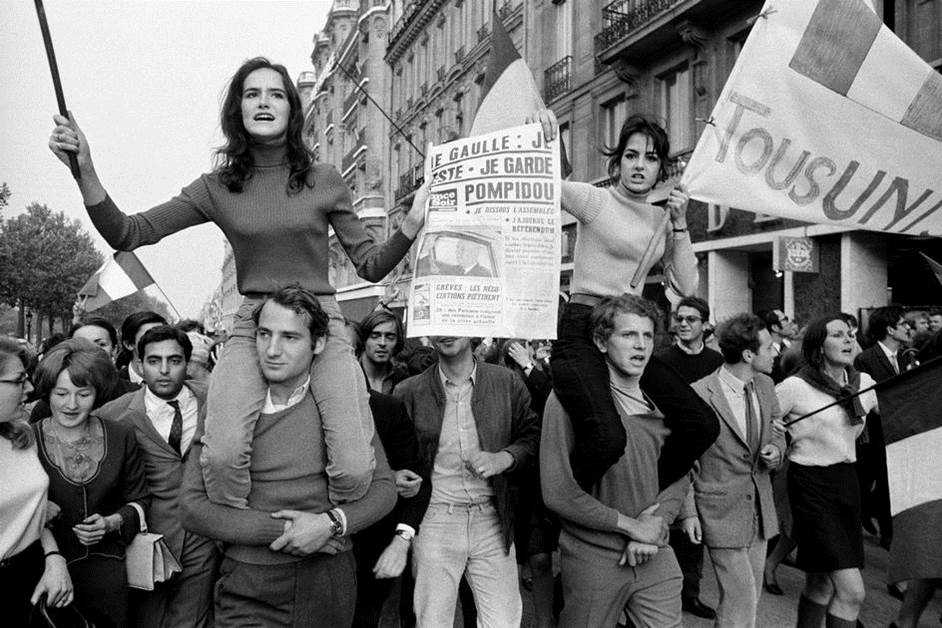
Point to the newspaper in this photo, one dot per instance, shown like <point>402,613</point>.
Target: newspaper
<point>488,259</point>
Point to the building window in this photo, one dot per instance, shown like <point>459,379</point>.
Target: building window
<point>614,113</point>
<point>565,136</point>
<point>677,108</point>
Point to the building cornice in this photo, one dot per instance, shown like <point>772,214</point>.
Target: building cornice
<point>410,26</point>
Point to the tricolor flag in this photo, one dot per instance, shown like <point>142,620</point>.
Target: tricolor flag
<point>121,275</point>
<point>509,94</point>
<point>911,413</point>
<point>847,49</point>
<point>827,117</point>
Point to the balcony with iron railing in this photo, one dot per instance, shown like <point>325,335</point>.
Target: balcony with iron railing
<point>409,181</point>
<point>351,157</point>
<point>557,79</point>
<point>350,100</point>
<point>621,18</point>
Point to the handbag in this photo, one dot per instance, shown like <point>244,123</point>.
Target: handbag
<point>148,560</point>
<point>45,616</point>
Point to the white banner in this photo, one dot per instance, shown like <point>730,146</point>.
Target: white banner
<point>488,259</point>
<point>826,117</point>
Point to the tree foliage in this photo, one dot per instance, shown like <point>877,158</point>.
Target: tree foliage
<point>5,194</point>
<point>44,260</point>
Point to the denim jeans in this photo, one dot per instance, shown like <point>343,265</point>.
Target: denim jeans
<point>236,396</point>
<point>456,539</point>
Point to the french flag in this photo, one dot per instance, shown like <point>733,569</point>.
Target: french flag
<point>121,275</point>
<point>847,49</point>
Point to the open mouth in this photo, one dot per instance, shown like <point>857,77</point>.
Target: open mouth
<point>264,117</point>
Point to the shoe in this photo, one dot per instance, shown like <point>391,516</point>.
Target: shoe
<point>894,591</point>
<point>771,586</point>
<point>698,608</point>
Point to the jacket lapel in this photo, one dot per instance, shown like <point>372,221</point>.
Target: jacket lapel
<point>719,403</point>
<point>138,411</point>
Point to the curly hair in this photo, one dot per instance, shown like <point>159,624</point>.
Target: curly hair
<point>234,161</point>
<point>738,333</point>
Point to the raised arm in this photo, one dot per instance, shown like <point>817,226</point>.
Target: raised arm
<point>123,232</point>
<point>680,262</point>
<point>373,260</point>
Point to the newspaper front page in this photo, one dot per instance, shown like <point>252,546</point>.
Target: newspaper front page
<point>488,260</point>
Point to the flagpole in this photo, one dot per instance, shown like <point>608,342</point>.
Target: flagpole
<point>56,82</point>
<point>169,302</point>
<point>882,384</point>
<point>399,130</point>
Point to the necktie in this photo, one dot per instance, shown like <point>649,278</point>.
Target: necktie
<point>752,427</point>
<point>895,363</point>
<point>176,428</point>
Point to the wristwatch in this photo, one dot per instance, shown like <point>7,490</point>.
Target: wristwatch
<point>406,535</point>
<point>336,525</point>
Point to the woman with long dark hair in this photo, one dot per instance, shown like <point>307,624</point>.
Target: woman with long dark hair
<point>614,228</point>
<point>822,480</point>
<point>276,207</point>
<point>31,565</point>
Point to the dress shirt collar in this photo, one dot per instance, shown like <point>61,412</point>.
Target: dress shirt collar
<point>294,399</point>
<point>154,404</point>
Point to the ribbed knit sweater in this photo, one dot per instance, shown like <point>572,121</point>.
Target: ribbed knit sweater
<point>612,234</point>
<point>277,238</point>
<point>288,458</point>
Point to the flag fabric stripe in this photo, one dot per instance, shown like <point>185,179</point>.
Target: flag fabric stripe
<point>134,269</point>
<point>836,42</point>
<point>924,114</point>
<point>914,470</point>
<point>509,94</point>
<point>910,402</point>
<point>889,78</point>
<point>934,266</point>
<point>121,275</point>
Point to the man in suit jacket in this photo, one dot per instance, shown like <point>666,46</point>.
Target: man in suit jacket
<point>890,333</point>
<point>166,414</point>
<point>731,510</point>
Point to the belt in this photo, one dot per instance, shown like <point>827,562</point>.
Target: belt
<point>580,298</point>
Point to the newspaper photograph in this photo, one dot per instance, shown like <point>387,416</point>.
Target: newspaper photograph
<point>488,260</point>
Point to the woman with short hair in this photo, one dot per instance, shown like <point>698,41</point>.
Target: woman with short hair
<point>95,473</point>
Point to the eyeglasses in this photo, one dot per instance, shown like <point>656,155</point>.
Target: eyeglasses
<point>690,320</point>
<point>19,381</point>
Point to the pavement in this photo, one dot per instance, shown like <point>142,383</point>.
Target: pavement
<point>776,611</point>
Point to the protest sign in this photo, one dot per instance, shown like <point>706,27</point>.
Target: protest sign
<point>488,259</point>
<point>826,117</point>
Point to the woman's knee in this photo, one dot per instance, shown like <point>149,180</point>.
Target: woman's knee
<point>849,588</point>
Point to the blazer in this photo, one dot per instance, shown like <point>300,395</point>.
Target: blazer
<point>501,407</point>
<point>163,467</point>
<point>730,482</point>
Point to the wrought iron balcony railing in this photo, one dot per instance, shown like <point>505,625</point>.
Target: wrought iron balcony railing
<point>557,79</point>
<point>622,17</point>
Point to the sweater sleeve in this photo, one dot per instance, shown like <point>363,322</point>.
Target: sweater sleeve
<point>125,233</point>
<point>680,264</point>
<point>215,521</point>
<point>372,260</point>
<point>582,200</point>
<point>561,493</point>
<point>379,498</point>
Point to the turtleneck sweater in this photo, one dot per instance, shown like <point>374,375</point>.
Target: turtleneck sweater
<point>612,233</point>
<point>278,237</point>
